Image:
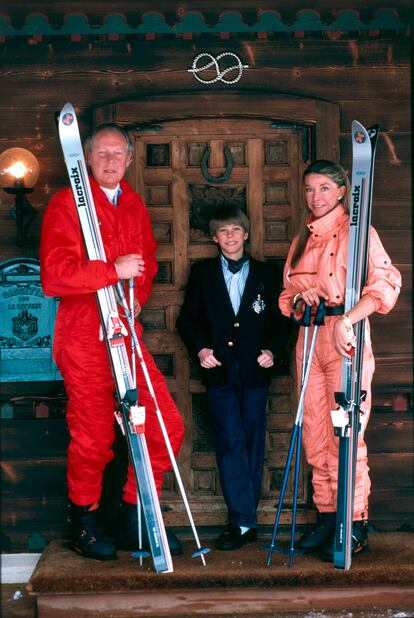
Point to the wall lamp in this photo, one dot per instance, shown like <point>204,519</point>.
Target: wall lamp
<point>19,171</point>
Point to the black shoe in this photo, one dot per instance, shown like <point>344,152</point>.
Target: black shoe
<point>127,532</point>
<point>319,535</point>
<point>232,538</point>
<point>359,542</point>
<point>85,534</point>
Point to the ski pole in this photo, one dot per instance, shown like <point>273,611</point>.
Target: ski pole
<point>305,322</point>
<point>296,437</point>
<point>131,284</point>
<point>200,550</point>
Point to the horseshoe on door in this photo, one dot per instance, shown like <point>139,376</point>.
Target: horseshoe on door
<point>205,164</point>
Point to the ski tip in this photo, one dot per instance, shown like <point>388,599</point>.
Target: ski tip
<point>66,116</point>
<point>362,136</point>
<point>355,124</point>
<point>67,107</point>
<point>200,552</point>
<point>359,132</point>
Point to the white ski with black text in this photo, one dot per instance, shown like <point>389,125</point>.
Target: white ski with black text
<point>346,419</point>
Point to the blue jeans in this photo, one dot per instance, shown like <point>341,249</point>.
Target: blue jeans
<point>238,413</point>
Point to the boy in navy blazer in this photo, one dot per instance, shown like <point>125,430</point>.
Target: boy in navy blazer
<point>231,325</point>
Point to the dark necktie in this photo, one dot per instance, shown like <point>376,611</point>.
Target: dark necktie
<point>236,265</point>
<point>116,197</point>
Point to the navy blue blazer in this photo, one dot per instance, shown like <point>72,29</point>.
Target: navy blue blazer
<point>207,320</point>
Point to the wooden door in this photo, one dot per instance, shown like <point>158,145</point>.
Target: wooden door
<point>267,159</point>
<point>265,166</point>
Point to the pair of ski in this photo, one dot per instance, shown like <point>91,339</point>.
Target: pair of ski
<point>346,419</point>
<point>130,416</point>
<point>350,399</point>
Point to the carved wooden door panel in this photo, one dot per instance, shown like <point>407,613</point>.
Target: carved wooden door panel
<point>266,165</point>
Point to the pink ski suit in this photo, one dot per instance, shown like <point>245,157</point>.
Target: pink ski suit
<point>80,355</point>
<point>323,264</point>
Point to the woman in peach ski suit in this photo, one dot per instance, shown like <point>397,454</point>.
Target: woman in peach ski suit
<point>315,270</point>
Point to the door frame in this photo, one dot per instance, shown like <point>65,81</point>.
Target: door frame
<point>321,116</point>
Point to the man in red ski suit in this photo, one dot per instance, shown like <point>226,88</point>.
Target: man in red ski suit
<point>79,353</point>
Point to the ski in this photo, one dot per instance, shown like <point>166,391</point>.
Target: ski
<point>346,419</point>
<point>130,416</point>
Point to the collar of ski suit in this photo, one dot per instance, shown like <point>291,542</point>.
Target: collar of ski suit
<point>125,187</point>
<point>325,226</point>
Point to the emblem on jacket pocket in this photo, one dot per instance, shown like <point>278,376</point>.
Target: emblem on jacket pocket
<point>258,304</point>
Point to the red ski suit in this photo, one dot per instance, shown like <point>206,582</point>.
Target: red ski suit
<point>80,355</point>
<point>323,264</point>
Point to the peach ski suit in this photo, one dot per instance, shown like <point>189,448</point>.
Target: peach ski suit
<point>323,264</point>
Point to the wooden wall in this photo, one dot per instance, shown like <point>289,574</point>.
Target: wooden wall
<point>367,75</point>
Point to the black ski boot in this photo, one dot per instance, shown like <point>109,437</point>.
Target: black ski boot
<point>359,541</point>
<point>127,532</point>
<point>85,534</point>
<point>319,535</point>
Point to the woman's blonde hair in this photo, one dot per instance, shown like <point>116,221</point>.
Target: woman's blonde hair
<point>338,175</point>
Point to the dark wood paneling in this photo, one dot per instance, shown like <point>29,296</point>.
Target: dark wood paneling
<point>385,334</point>
<point>397,243</point>
<point>33,482</point>
<point>391,214</point>
<point>386,430</point>
<point>33,439</point>
<point>38,478</point>
<point>390,441</point>
<point>314,82</point>
<point>285,53</point>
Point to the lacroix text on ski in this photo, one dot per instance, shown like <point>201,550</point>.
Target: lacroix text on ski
<point>78,187</point>
<point>316,269</point>
<point>82,259</point>
<point>355,205</point>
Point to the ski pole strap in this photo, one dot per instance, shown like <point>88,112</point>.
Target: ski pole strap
<point>305,320</point>
<point>323,310</point>
<point>337,310</point>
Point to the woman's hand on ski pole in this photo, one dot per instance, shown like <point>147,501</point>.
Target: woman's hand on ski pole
<point>312,296</point>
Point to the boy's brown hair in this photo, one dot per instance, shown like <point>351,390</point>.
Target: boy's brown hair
<point>228,214</point>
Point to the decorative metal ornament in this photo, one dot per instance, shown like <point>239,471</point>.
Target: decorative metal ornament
<point>205,162</point>
<point>258,304</point>
<point>214,62</point>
